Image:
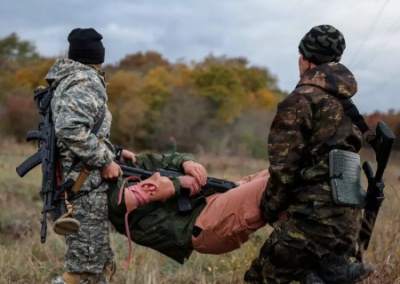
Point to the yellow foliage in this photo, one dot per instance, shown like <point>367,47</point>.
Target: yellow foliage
<point>122,85</point>
<point>33,76</point>
<point>156,86</point>
<point>265,99</point>
<point>145,91</point>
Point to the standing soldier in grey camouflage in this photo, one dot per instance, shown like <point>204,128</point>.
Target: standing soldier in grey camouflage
<point>312,242</point>
<point>79,102</point>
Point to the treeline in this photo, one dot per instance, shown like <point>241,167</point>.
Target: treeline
<point>219,104</point>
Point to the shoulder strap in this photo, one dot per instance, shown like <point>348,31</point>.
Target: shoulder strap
<point>358,120</point>
<point>95,130</point>
<point>99,122</point>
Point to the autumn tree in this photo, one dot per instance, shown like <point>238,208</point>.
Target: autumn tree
<point>219,103</point>
<point>139,62</point>
<point>126,106</point>
<point>20,116</point>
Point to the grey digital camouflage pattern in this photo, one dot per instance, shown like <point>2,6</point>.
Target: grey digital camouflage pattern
<point>77,105</point>
<point>78,102</point>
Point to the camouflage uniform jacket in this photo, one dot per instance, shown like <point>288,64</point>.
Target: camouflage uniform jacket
<point>78,102</point>
<point>308,124</point>
<point>159,225</point>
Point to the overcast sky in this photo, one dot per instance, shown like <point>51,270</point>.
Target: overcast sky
<point>267,32</point>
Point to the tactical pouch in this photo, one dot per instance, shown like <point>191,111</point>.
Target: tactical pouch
<point>345,178</point>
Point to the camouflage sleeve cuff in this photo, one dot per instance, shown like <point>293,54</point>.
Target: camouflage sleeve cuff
<point>184,158</point>
<point>101,157</point>
<point>107,161</point>
<point>177,185</point>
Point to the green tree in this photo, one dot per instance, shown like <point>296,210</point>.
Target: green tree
<point>16,53</point>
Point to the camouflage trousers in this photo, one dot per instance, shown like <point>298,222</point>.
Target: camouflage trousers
<point>302,237</point>
<point>89,249</point>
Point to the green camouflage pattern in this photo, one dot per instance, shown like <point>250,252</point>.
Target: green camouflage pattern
<point>323,44</point>
<point>159,225</point>
<point>78,102</point>
<point>309,123</point>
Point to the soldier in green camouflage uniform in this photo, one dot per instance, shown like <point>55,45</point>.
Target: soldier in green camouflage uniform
<point>309,123</point>
<point>79,100</point>
<point>158,225</point>
<point>218,222</point>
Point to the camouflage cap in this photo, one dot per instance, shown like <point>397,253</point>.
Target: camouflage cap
<point>322,44</point>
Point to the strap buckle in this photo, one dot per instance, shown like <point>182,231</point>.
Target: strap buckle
<point>369,135</point>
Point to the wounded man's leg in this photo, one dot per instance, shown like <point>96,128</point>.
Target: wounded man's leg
<point>230,218</point>
<point>246,179</point>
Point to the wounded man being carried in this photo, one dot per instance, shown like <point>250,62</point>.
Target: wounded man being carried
<point>147,211</point>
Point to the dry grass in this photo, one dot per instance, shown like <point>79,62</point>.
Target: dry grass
<point>23,259</point>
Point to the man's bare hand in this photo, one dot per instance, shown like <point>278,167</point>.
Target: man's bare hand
<point>38,89</point>
<point>127,155</point>
<point>190,183</point>
<point>195,170</point>
<point>111,172</point>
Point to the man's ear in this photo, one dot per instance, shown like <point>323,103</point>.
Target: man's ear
<point>310,65</point>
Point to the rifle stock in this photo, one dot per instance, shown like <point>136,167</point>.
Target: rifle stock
<point>386,140</point>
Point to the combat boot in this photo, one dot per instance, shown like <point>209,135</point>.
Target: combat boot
<point>108,271</point>
<point>335,269</point>
<point>312,278</point>
<point>254,273</point>
<point>75,278</point>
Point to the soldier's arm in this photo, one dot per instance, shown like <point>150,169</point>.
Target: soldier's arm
<point>289,133</point>
<point>82,103</point>
<point>151,162</point>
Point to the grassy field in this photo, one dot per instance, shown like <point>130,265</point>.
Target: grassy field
<point>23,259</point>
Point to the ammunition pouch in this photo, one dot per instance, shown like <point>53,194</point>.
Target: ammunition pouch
<point>345,178</point>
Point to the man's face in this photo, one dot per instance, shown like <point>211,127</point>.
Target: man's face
<point>304,65</point>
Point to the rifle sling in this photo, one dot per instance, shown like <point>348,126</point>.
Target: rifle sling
<point>85,172</point>
<point>358,120</point>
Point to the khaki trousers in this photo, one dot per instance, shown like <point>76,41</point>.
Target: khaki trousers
<point>229,219</point>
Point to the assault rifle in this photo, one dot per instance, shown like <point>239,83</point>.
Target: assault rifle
<point>53,186</point>
<point>218,185</point>
<point>47,155</point>
<point>384,140</point>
